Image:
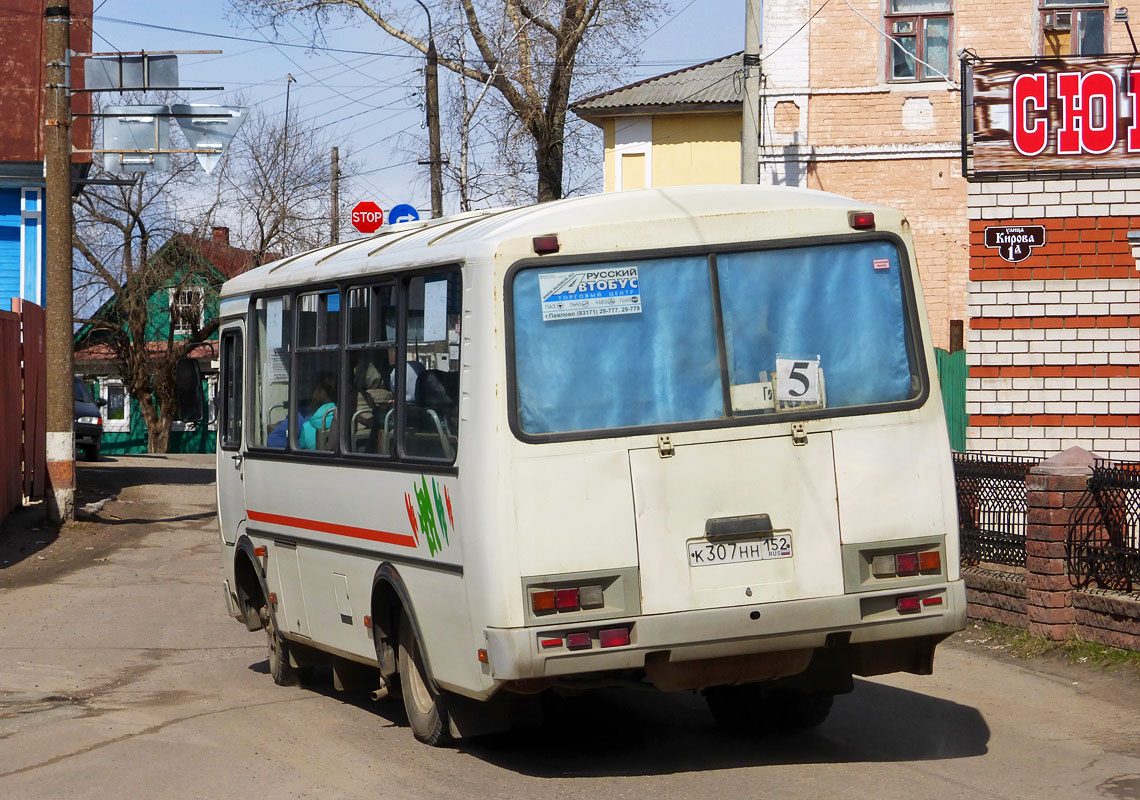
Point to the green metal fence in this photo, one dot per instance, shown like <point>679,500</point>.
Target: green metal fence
<point>952,373</point>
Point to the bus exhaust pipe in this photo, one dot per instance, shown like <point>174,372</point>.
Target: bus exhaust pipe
<point>382,692</point>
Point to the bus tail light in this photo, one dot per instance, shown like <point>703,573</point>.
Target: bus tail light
<point>550,642</point>
<point>861,220</point>
<point>566,599</point>
<point>932,601</point>
<point>591,597</point>
<point>929,561</point>
<point>906,563</point>
<point>614,637</point>
<point>545,244</point>
<point>909,605</point>
<point>542,601</point>
<point>579,641</point>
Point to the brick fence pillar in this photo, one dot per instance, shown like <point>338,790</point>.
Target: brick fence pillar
<point>1053,490</point>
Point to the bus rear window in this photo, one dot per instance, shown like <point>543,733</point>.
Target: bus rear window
<point>637,343</point>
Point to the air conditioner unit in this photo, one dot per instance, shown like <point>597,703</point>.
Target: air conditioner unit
<point>1059,20</point>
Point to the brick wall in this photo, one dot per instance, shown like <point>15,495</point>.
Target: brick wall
<point>923,113</point>
<point>1054,340</point>
<point>931,192</point>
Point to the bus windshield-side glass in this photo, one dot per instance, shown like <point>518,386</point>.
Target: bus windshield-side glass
<point>634,343</point>
<point>615,345</point>
<point>431,377</point>
<point>815,327</point>
<point>273,332</point>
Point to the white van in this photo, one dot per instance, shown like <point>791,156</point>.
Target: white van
<point>688,438</point>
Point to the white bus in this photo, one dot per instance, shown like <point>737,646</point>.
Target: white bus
<point>684,438</point>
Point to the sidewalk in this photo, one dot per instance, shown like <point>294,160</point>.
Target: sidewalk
<point>116,502</point>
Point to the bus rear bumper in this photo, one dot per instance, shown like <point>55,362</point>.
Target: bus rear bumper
<point>529,653</point>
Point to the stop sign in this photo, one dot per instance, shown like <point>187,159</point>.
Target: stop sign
<point>367,217</point>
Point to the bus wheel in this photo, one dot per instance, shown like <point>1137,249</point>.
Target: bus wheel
<point>279,667</point>
<point>758,710</point>
<point>426,710</point>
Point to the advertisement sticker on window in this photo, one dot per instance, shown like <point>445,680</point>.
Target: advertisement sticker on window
<point>589,293</point>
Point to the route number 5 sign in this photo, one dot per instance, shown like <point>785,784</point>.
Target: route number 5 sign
<point>797,380</point>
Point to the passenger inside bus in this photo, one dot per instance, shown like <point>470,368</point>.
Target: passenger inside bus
<point>314,433</point>
<point>374,398</point>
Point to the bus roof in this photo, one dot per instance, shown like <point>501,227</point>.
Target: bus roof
<point>452,239</point>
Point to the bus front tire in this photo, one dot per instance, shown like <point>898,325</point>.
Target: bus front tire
<point>759,710</point>
<point>426,709</point>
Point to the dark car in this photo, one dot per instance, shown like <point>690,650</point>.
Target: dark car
<point>88,424</point>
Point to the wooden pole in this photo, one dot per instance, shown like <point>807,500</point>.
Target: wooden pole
<point>58,302</point>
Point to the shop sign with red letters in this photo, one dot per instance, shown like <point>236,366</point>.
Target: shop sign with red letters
<point>1077,114</point>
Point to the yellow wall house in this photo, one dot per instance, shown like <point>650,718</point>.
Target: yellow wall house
<point>671,130</point>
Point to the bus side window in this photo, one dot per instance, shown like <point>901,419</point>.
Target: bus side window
<point>431,422</point>
<point>273,335</point>
<point>371,345</point>
<point>317,382</point>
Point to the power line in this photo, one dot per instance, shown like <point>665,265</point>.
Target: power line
<point>326,49</point>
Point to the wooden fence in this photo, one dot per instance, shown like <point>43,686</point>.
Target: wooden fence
<point>23,405</point>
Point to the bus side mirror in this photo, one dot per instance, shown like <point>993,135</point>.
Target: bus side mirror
<point>188,387</point>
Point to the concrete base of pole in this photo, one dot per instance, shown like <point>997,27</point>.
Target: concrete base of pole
<point>61,476</point>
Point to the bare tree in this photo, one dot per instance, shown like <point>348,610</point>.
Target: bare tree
<point>277,186</point>
<point>529,51</point>
<point>143,277</point>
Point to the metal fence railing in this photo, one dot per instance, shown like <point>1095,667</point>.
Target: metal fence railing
<point>991,507</point>
<point>1103,543</point>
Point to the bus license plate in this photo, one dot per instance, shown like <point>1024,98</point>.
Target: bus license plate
<point>703,553</point>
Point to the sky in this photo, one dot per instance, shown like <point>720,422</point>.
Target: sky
<point>367,103</point>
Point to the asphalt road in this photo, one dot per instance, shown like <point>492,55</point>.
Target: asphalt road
<point>122,676</point>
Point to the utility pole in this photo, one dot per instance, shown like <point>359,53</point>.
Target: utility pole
<point>289,80</point>
<point>750,131</point>
<point>431,75</point>
<point>60,358</point>
<point>334,234</point>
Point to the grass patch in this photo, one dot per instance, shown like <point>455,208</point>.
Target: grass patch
<point>1020,643</point>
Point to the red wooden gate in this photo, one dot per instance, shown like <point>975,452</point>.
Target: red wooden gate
<point>34,357</point>
<point>11,413</point>
<point>23,405</point>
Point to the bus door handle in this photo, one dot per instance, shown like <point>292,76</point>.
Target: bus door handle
<point>731,527</point>
<point>238,459</point>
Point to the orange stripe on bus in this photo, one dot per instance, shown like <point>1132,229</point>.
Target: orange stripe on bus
<point>402,539</point>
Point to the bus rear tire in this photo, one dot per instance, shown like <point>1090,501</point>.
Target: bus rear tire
<point>426,709</point>
<point>758,710</point>
<point>280,668</point>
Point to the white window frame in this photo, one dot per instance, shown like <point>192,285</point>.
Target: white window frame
<point>172,293</point>
<point>115,425</point>
<point>31,209</point>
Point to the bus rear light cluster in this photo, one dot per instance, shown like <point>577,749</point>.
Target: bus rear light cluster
<point>543,601</point>
<point>912,604</point>
<point>584,640</point>
<point>906,564</point>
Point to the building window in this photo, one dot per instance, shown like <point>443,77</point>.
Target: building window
<point>1073,29</point>
<point>920,30</point>
<point>187,312</point>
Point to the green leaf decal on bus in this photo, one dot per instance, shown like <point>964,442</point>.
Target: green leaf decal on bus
<point>440,510</point>
<point>427,516</point>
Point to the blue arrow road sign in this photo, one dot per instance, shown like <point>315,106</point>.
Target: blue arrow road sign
<point>402,213</point>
